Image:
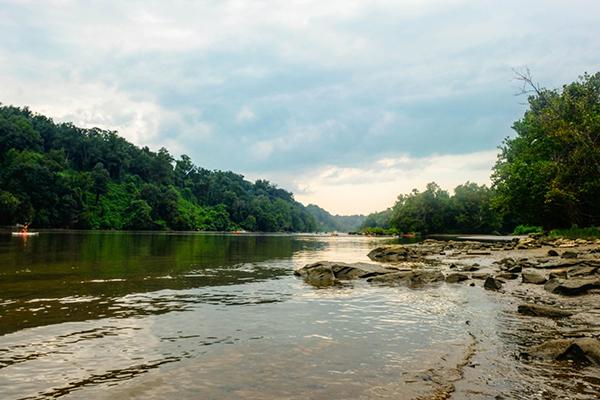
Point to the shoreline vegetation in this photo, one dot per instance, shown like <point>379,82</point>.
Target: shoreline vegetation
<point>547,177</point>
<point>62,176</point>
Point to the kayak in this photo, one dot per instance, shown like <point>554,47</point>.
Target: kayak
<point>25,233</point>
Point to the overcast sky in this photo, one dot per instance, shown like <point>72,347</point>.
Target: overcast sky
<point>345,103</point>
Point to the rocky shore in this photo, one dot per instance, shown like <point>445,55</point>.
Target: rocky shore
<point>553,285</point>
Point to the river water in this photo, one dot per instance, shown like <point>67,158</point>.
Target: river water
<point>188,316</point>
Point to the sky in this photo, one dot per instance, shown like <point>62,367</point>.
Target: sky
<point>345,103</point>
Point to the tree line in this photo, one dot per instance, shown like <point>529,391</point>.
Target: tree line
<point>547,175</point>
<point>63,176</point>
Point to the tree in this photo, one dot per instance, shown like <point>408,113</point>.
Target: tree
<point>471,208</point>
<point>9,205</point>
<point>425,212</point>
<point>139,216</point>
<point>100,179</point>
<point>549,173</point>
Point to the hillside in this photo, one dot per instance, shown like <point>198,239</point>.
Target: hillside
<point>327,222</point>
<point>62,176</point>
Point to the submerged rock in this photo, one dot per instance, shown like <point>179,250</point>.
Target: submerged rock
<point>325,273</point>
<point>533,277</point>
<point>492,284</point>
<point>572,287</point>
<point>580,349</point>
<point>538,310</point>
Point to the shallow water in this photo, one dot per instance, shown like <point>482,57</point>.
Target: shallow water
<point>124,315</point>
<point>109,315</point>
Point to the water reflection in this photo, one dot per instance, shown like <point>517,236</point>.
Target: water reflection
<point>66,277</point>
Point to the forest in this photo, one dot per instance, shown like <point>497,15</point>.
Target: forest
<point>62,176</point>
<point>546,176</point>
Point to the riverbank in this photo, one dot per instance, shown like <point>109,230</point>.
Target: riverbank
<point>544,339</point>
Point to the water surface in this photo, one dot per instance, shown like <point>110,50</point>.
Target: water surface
<point>125,315</point>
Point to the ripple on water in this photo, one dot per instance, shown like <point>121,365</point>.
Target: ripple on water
<point>222,340</point>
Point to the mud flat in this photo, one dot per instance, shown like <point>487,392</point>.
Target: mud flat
<point>544,342</point>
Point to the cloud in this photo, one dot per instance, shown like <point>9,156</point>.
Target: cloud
<point>245,114</point>
<point>276,88</point>
<point>375,186</point>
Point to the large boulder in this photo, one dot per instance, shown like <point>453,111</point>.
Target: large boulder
<point>538,310</point>
<point>414,278</point>
<point>393,253</point>
<point>572,287</point>
<point>325,273</point>
<point>580,349</point>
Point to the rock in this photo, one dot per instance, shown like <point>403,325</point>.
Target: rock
<point>515,269</point>
<point>400,252</point>
<point>566,263</point>
<point>580,349</point>
<point>470,268</point>
<point>391,253</point>
<point>317,274</point>
<point>492,284</point>
<point>552,253</point>
<point>527,243</point>
<point>533,277</point>
<point>325,273</point>
<point>581,271</point>
<point>412,278</point>
<point>569,254</point>
<point>456,277</point>
<point>507,275</point>
<point>572,287</point>
<point>562,274</point>
<point>479,275</point>
<point>537,310</point>
<point>506,261</point>
<point>472,284</point>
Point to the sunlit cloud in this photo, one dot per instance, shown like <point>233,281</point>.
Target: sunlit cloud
<point>375,186</point>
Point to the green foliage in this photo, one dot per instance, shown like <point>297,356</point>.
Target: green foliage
<point>426,212</point>
<point>380,219</point>
<point>527,229</point>
<point>377,231</point>
<point>549,174</point>
<point>59,175</point>
<point>139,216</point>
<point>592,232</point>
<point>330,223</point>
<point>468,210</point>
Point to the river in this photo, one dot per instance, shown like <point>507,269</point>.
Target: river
<point>114,315</point>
